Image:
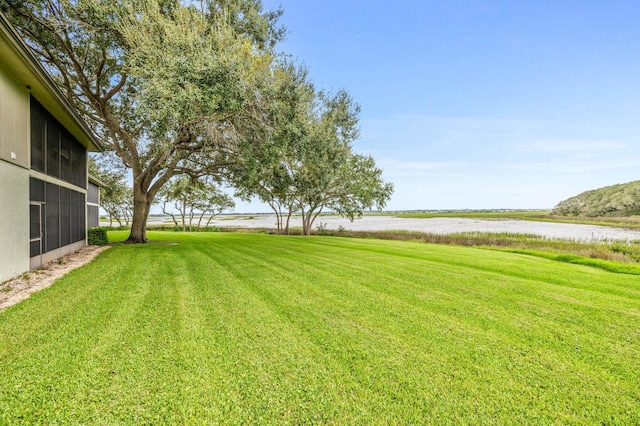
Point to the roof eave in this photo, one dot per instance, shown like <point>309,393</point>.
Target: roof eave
<point>27,70</point>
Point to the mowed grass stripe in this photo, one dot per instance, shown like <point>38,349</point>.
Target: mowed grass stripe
<point>291,345</point>
<point>316,321</point>
<point>276,348</point>
<point>244,329</point>
<point>541,327</point>
<point>239,328</point>
<point>411,276</point>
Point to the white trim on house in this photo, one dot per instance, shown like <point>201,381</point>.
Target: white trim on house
<point>50,179</point>
<point>28,72</point>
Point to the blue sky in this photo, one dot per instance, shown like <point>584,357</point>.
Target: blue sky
<point>481,104</point>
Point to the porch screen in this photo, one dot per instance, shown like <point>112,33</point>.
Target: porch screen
<point>63,219</point>
<point>54,151</point>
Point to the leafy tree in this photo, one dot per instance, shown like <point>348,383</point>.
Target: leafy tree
<point>193,198</point>
<point>268,171</point>
<point>115,195</point>
<point>330,175</point>
<point>213,203</point>
<point>307,162</point>
<point>170,87</point>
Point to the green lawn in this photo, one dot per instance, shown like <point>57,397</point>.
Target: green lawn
<point>254,328</point>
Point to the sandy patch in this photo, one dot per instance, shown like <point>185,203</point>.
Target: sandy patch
<point>23,286</point>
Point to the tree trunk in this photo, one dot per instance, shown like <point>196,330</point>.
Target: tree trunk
<point>191,216</point>
<point>308,218</point>
<point>279,220</point>
<point>183,212</point>
<point>290,211</point>
<point>141,207</point>
<point>164,211</point>
<point>276,210</point>
<point>200,220</point>
<point>306,227</point>
<point>286,228</point>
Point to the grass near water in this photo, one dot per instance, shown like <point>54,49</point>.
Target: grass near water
<point>632,222</point>
<point>613,256</point>
<point>250,328</point>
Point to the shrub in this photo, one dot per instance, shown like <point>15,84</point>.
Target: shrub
<point>97,236</point>
<point>191,228</point>
<point>210,229</point>
<point>115,228</point>
<point>322,229</point>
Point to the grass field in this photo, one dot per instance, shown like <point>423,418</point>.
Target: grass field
<point>253,328</point>
<point>614,256</point>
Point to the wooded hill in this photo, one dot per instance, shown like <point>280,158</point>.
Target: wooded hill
<point>615,200</point>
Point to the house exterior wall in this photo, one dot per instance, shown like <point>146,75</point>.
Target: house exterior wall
<point>14,223</point>
<point>14,116</point>
<point>14,178</point>
<point>93,205</point>
<point>43,162</point>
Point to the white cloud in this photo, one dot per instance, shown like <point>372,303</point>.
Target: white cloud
<point>563,167</point>
<point>569,146</point>
<point>396,168</point>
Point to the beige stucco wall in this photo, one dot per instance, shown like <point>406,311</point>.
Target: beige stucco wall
<point>20,75</point>
<point>14,220</point>
<point>14,116</point>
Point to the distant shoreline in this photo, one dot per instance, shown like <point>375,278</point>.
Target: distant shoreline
<point>565,231</point>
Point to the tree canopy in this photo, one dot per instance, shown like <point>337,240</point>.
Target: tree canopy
<point>169,86</point>
<point>307,163</point>
<point>197,88</point>
<point>192,199</point>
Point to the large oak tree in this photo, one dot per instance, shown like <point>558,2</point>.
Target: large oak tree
<point>170,86</point>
